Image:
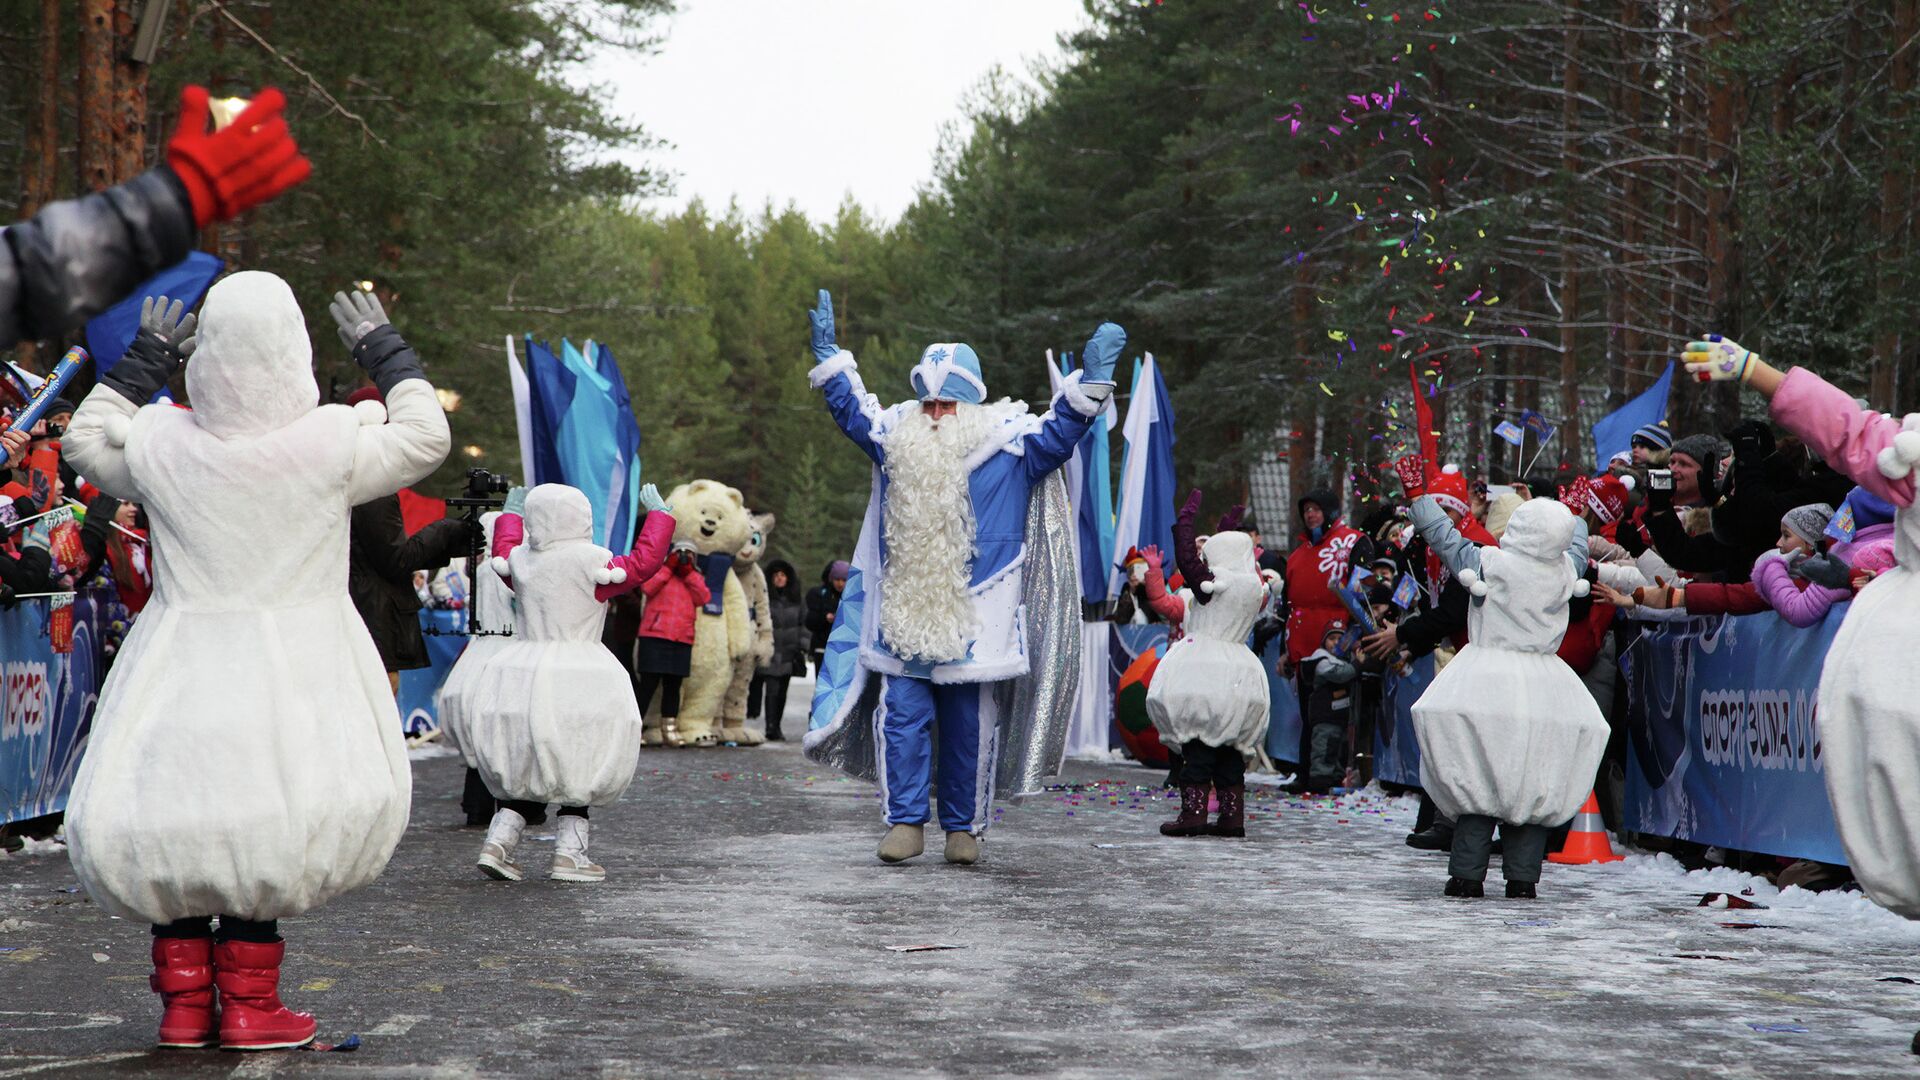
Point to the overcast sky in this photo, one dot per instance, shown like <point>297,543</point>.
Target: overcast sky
<point>807,100</point>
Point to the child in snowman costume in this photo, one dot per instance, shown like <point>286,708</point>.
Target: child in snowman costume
<point>552,718</point>
<point>963,577</point>
<point>246,761</point>
<point>1509,735</point>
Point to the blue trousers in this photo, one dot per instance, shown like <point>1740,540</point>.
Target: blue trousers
<point>909,711</point>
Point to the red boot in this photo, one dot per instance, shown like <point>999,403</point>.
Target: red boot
<point>251,1017</point>
<point>1193,813</point>
<point>1233,812</point>
<point>183,977</point>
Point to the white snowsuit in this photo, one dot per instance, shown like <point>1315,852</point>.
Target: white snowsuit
<point>1507,730</point>
<point>246,756</point>
<point>1211,686</point>
<point>496,605</point>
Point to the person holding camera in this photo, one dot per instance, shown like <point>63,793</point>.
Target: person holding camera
<point>664,655</point>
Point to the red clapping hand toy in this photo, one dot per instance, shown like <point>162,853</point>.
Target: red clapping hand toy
<point>239,166</point>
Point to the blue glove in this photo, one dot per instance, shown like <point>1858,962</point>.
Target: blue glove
<point>821,318</point>
<point>650,498</point>
<point>516,501</point>
<point>1102,353</point>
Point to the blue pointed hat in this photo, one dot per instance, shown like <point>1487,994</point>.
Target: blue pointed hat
<point>949,372</point>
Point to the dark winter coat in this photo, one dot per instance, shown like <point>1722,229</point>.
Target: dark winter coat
<point>79,257</point>
<point>822,601</point>
<point>790,636</point>
<point>1763,485</point>
<point>381,560</point>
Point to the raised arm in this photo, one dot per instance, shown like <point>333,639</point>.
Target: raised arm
<point>414,440</point>
<point>1456,552</point>
<point>1083,394</point>
<point>97,438</point>
<point>650,546</point>
<point>835,374</point>
<point>1164,604</point>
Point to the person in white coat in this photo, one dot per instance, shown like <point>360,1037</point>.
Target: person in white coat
<point>551,717</point>
<point>1209,698</point>
<point>494,610</point>
<point>246,760</point>
<point>1508,734</point>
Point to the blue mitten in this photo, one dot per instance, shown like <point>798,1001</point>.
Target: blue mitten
<point>516,501</point>
<point>821,325</point>
<point>1103,352</point>
<point>650,498</point>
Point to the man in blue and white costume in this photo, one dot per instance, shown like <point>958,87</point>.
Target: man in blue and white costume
<point>964,574</point>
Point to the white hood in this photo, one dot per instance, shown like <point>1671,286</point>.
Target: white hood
<point>253,369</point>
<point>1539,529</point>
<point>557,514</point>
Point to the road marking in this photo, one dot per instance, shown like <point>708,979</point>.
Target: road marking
<point>397,1024</point>
<point>68,1063</point>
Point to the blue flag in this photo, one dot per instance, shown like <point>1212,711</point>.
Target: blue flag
<point>1614,432</point>
<point>1406,592</point>
<point>1146,473</point>
<point>624,482</point>
<point>1541,427</point>
<point>549,393</point>
<point>1510,431</point>
<point>110,332</point>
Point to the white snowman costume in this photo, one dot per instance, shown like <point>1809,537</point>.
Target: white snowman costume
<point>496,616</point>
<point>1211,686</point>
<point>551,717</point>
<point>246,756</point>
<point>1507,730</point>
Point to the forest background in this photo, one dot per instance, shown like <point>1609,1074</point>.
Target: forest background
<point>1532,202</point>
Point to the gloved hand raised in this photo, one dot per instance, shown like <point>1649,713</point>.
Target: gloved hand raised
<point>239,166</point>
<point>1718,359</point>
<point>1412,470</point>
<point>820,323</point>
<point>651,500</point>
<point>163,342</point>
<point>516,501</point>
<point>1102,353</point>
<point>357,314</point>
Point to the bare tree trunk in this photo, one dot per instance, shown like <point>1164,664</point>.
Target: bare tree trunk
<point>43,134</point>
<point>96,94</point>
<point>129,100</point>
<point>1896,187</point>
<point>1569,268</point>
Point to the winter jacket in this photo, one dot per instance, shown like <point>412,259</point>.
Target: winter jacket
<point>1800,602</point>
<point>788,609</point>
<point>822,602</point>
<point>1710,598</point>
<point>1848,437</point>
<point>675,593</point>
<point>1746,523</point>
<point>79,257</point>
<point>1870,549</point>
<point>1311,605</point>
<point>381,560</point>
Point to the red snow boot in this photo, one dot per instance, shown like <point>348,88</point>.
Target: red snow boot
<point>183,977</point>
<point>1193,813</point>
<point>252,1018</point>
<point>1233,812</point>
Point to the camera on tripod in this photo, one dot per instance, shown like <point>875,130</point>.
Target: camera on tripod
<point>483,489</point>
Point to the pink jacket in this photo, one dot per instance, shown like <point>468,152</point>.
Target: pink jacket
<point>1870,549</point>
<point>1849,437</point>
<point>649,551</point>
<point>1801,603</point>
<point>674,599</point>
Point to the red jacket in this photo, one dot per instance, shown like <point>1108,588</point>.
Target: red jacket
<point>1310,604</point>
<point>675,594</point>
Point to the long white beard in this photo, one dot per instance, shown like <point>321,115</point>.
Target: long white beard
<point>927,612</point>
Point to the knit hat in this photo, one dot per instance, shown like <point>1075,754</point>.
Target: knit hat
<point>949,372</point>
<point>1607,497</point>
<point>57,406</point>
<point>1808,522</point>
<point>1861,510</point>
<point>1449,489</point>
<point>839,568</point>
<point>1654,435</point>
<point>1707,451</point>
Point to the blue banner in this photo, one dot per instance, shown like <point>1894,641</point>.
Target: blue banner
<point>48,708</point>
<point>1725,749</point>
<point>1396,749</point>
<point>446,638</point>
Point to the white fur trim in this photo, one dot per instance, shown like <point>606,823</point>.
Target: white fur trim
<point>617,576</point>
<point>116,428</point>
<point>933,375</point>
<point>499,564</point>
<point>370,413</point>
<point>1208,587</point>
<point>1907,445</point>
<point>1581,587</point>
<point>1473,582</point>
<point>826,369</point>
<point>1077,396</point>
<point>1890,464</point>
<point>1450,469</point>
<point>1629,482</point>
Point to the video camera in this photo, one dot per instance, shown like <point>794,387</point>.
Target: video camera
<point>484,491</point>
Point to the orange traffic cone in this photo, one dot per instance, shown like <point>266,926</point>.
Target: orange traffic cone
<point>1587,841</point>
